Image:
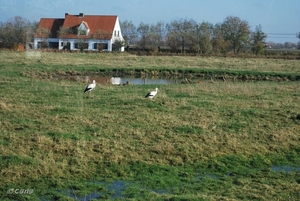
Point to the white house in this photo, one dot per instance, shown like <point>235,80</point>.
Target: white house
<point>84,32</point>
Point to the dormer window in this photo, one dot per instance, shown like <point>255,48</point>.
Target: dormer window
<point>83,29</point>
<point>82,32</point>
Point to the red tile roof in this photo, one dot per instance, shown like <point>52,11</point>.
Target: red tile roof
<point>105,23</point>
<point>50,24</point>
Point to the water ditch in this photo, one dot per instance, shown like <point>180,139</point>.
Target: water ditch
<point>167,76</point>
<point>146,80</point>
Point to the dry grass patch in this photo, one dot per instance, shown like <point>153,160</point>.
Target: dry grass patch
<point>76,62</point>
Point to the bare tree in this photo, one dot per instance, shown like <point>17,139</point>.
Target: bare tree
<point>118,44</point>
<point>219,44</point>
<point>257,40</point>
<point>63,33</point>
<point>81,43</point>
<point>143,32</point>
<point>43,33</point>
<point>101,35</point>
<point>205,36</point>
<point>15,31</point>
<point>183,31</point>
<point>298,36</point>
<point>129,32</point>
<point>6,35</point>
<point>236,32</point>
<point>31,29</point>
<point>157,34</point>
<point>288,45</point>
<point>172,41</point>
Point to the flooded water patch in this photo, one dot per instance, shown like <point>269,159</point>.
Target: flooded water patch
<point>286,168</point>
<point>120,189</point>
<point>108,190</point>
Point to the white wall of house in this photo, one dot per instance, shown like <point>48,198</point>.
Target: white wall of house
<point>35,42</point>
<point>117,34</point>
<point>91,44</point>
<point>61,42</point>
<point>40,40</point>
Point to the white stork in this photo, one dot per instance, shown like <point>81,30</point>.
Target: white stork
<point>90,87</point>
<point>152,94</point>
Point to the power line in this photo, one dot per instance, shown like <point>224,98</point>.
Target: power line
<point>282,34</point>
<point>279,37</point>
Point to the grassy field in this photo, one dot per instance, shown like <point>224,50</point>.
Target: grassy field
<point>48,63</point>
<point>205,141</point>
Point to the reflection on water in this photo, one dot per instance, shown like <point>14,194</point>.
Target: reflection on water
<point>147,80</point>
<point>116,80</point>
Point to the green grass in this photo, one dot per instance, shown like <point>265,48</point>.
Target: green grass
<point>184,144</point>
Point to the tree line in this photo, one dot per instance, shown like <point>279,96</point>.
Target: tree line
<point>231,35</point>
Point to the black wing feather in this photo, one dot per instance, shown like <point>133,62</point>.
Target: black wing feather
<point>87,89</point>
<point>148,95</point>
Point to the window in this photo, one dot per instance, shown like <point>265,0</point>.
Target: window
<point>82,32</point>
<point>100,46</point>
<point>81,45</point>
<point>115,33</point>
<point>83,29</point>
<point>53,45</point>
<point>118,33</point>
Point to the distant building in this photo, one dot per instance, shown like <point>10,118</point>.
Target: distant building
<point>80,32</point>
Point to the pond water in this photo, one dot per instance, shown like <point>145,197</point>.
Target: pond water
<point>127,80</point>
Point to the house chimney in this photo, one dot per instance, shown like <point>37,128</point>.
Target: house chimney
<point>81,15</point>
<point>66,14</point>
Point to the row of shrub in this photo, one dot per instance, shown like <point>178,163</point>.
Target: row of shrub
<point>289,54</point>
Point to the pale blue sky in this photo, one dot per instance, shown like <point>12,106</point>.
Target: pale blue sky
<point>276,16</point>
